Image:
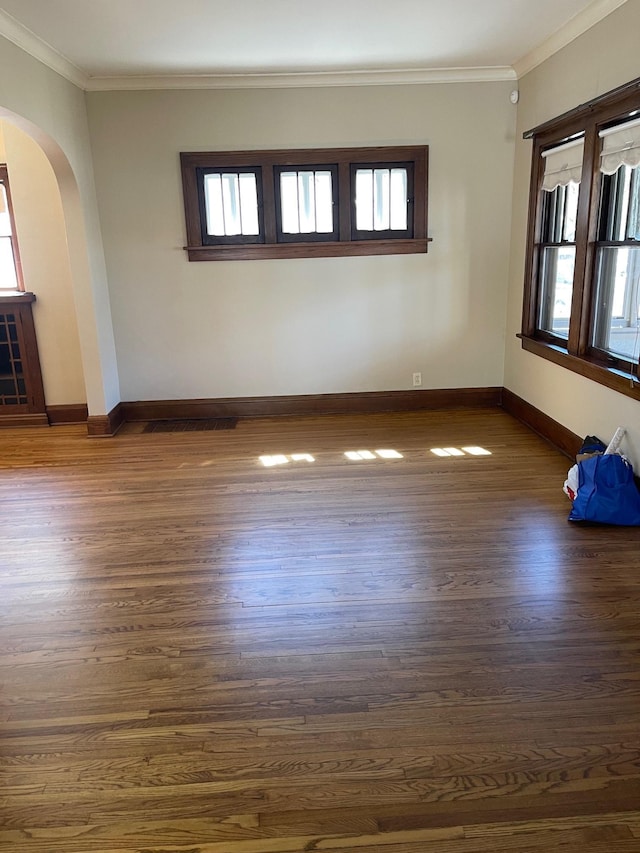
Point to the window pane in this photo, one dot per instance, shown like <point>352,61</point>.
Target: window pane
<point>560,214</point>
<point>617,305</point>
<point>213,198</point>
<point>620,205</point>
<point>306,202</point>
<point>5,221</point>
<point>231,204</point>
<point>324,203</point>
<point>231,200</point>
<point>249,204</point>
<point>399,199</point>
<point>556,289</point>
<point>381,200</point>
<point>8,278</point>
<point>364,199</point>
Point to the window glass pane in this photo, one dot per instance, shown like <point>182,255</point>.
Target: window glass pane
<point>617,306</point>
<point>231,204</point>
<point>556,289</point>
<point>324,203</point>
<point>620,205</point>
<point>571,192</point>
<point>399,199</point>
<point>249,204</point>
<point>364,199</point>
<point>213,199</point>
<point>5,221</point>
<point>381,200</point>
<point>231,200</point>
<point>8,277</point>
<point>633,220</point>
<point>306,202</point>
<point>560,214</point>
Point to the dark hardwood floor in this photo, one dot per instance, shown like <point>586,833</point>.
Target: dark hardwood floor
<point>199,654</point>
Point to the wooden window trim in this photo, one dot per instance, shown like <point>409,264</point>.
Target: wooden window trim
<point>343,244</point>
<point>576,354</point>
<point>4,179</point>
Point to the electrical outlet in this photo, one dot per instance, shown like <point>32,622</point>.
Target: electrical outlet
<point>417,380</point>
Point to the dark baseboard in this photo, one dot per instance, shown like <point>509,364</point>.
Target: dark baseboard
<point>38,420</point>
<point>104,426</point>
<point>562,438</point>
<point>68,414</point>
<point>312,404</point>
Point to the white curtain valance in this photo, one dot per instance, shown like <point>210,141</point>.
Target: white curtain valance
<point>620,146</point>
<point>563,164</point>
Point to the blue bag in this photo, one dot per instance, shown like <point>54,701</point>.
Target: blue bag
<point>607,492</point>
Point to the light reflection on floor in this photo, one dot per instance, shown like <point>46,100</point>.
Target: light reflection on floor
<point>272,460</point>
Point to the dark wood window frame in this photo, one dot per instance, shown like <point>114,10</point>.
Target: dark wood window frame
<point>4,180</point>
<point>343,243</point>
<point>576,353</point>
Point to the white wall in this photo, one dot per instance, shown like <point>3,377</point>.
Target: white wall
<point>41,234</point>
<point>53,111</point>
<point>604,57</point>
<point>307,326</point>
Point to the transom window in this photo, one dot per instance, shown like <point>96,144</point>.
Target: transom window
<point>383,200</point>
<point>306,203</point>
<point>10,269</point>
<point>305,199</point>
<point>582,286</point>
<point>231,206</point>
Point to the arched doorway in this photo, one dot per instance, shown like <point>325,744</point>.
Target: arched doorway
<point>74,322</point>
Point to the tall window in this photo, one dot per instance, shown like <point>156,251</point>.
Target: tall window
<point>10,269</point>
<point>582,287</point>
<point>305,203</point>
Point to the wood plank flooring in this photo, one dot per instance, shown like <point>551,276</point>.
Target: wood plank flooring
<point>199,654</point>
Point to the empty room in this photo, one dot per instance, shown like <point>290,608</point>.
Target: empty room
<point>305,313</point>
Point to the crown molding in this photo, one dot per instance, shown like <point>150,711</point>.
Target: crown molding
<point>574,28</point>
<point>15,32</point>
<point>395,77</point>
<point>25,39</point>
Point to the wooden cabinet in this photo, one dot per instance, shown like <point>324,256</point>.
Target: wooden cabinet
<point>21,391</point>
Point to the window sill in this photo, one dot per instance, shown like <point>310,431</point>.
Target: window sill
<point>264,251</point>
<point>618,380</point>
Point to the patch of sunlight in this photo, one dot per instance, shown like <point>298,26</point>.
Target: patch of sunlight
<point>356,455</point>
<point>270,461</point>
<point>472,450</point>
<point>281,459</point>
<point>477,451</point>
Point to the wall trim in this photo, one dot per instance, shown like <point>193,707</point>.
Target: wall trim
<point>38,419</point>
<point>575,27</point>
<point>104,426</point>
<point>559,436</point>
<point>312,404</point>
<point>32,44</point>
<point>74,413</point>
<point>304,79</point>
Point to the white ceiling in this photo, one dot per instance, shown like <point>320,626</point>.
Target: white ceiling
<point>88,40</point>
